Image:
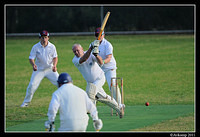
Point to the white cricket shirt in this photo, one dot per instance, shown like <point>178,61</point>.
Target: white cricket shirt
<point>43,55</point>
<point>89,69</point>
<point>106,48</point>
<point>73,104</point>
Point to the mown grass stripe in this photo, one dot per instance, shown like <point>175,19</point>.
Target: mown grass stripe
<point>135,117</point>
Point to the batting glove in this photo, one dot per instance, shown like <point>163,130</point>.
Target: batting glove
<point>95,43</point>
<point>98,124</point>
<point>49,126</point>
<point>95,51</point>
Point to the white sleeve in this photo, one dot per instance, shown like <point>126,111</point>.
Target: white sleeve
<point>76,61</point>
<point>91,108</point>
<point>32,53</point>
<point>109,49</point>
<point>54,52</point>
<point>53,107</point>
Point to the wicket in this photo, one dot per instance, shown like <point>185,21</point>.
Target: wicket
<point>116,87</point>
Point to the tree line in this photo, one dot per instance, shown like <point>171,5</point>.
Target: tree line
<point>31,19</point>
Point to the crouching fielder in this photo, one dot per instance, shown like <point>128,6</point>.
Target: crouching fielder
<point>73,104</point>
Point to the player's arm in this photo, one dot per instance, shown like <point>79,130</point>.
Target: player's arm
<point>109,53</point>
<point>55,61</point>
<point>85,56</point>
<point>97,123</point>
<point>53,108</point>
<point>91,108</point>
<point>99,59</point>
<point>94,45</point>
<point>32,62</point>
<point>52,111</point>
<point>108,58</point>
<point>32,57</point>
<point>95,52</point>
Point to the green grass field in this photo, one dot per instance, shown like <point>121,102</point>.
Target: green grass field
<point>138,116</point>
<point>159,69</point>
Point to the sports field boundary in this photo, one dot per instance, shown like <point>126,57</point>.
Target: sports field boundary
<point>109,33</point>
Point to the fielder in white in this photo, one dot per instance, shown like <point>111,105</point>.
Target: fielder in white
<point>109,63</point>
<point>45,65</point>
<point>88,65</point>
<point>73,104</point>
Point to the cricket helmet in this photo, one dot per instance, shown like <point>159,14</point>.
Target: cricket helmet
<point>43,33</point>
<point>97,31</point>
<point>64,78</point>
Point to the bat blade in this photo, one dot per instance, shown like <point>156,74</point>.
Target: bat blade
<point>103,24</point>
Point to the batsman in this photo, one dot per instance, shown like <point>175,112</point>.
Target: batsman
<point>105,50</point>
<point>109,64</point>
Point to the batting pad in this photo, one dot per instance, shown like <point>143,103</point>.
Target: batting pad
<point>91,90</point>
<point>110,103</point>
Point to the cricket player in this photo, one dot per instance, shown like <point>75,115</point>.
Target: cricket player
<point>88,65</point>
<point>73,104</point>
<point>44,66</point>
<point>109,63</point>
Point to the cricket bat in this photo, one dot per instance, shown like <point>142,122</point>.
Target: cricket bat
<point>103,24</point>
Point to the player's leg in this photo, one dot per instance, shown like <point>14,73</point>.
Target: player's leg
<point>110,74</point>
<point>99,82</point>
<point>99,87</point>
<point>52,76</point>
<point>104,98</point>
<point>91,91</point>
<point>36,78</point>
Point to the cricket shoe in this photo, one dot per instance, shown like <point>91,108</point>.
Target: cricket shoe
<point>24,104</point>
<point>122,107</point>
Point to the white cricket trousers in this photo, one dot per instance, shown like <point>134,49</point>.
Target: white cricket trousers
<point>36,78</point>
<point>99,82</point>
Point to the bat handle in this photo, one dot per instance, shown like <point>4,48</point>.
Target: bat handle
<point>99,35</point>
